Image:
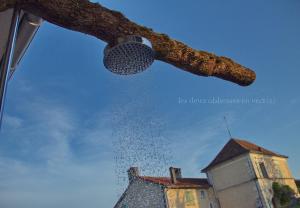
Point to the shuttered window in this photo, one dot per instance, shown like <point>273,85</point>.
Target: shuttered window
<point>263,170</point>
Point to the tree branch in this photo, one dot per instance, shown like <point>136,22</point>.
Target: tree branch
<point>96,20</point>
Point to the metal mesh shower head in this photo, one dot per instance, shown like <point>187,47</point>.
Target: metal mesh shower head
<point>130,55</point>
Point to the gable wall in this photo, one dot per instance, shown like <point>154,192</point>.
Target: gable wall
<point>142,194</point>
<point>234,183</point>
<point>231,173</point>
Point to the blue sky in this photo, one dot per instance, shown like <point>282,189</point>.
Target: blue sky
<point>65,114</point>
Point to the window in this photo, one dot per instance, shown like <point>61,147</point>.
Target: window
<point>263,170</point>
<point>189,198</point>
<point>202,194</point>
<point>124,206</point>
<point>211,205</point>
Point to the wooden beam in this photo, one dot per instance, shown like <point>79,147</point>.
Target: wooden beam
<point>105,24</point>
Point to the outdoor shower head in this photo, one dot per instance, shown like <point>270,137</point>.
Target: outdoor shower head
<point>129,55</point>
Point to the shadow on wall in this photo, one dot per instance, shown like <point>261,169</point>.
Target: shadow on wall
<point>183,198</point>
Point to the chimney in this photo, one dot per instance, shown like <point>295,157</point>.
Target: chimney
<point>133,172</point>
<point>175,173</point>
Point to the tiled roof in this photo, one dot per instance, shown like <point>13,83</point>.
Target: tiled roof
<point>181,182</point>
<point>236,147</point>
<point>197,183</point>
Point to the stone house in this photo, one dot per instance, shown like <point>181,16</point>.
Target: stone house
<point>166,192</point>
<point>241,175</point>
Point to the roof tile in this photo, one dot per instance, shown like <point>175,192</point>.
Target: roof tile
<point>181,182</point>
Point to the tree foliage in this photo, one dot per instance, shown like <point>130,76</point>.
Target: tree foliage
<point>284,196</point>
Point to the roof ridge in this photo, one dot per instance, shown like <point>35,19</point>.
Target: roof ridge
<point>238,141</point>
<point>181,182</point>
<point>260,148</point>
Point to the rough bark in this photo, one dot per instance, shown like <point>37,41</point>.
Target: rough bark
<point>105,24</point>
